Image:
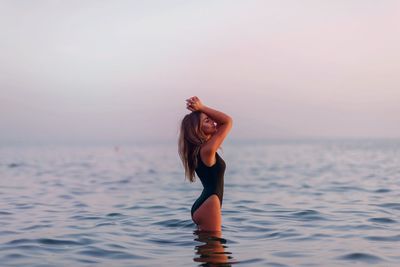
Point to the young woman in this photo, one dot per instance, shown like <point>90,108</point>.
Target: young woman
<point>202,133</point>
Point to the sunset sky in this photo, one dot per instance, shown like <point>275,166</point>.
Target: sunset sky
<point>120,71</point>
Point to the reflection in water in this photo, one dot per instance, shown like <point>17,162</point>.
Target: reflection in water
<point>212,251</point>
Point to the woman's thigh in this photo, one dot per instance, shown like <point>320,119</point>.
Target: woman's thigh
<point>208,215</point>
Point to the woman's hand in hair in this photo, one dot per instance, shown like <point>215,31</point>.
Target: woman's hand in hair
<point>194,104</point>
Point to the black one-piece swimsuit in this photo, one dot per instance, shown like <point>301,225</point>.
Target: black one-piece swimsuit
<point>212,179</point>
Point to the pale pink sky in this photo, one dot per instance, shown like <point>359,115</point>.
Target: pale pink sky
<point>121,70</point>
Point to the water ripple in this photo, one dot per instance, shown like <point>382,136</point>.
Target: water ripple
<point>395,238</point>
<point>15,165</point>
<point>363,257</point>
<point>395,206</point>
<point>382,220</point>
<point>36,226</point>
<point>175,223</point>
<point>382,190</point>
<point>110,254</point>
<point>49,241</point>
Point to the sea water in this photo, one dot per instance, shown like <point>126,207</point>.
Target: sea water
<point>286,203</point>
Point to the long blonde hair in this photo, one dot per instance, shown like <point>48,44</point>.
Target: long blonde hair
<point>191,137</point>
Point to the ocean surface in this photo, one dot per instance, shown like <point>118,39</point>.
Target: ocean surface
<point>286,203</point>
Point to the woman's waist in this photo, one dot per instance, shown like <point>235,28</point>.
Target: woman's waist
<point>212,190</point>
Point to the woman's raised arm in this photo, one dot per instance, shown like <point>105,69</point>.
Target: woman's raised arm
<point>223,121</point>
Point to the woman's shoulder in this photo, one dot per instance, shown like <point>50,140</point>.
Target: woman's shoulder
<point>209,158</point>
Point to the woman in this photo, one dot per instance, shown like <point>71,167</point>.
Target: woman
<point>202,133</point>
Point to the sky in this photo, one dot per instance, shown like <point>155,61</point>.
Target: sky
<point>120,71</point>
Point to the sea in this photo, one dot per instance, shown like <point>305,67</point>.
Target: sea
<point>286,203</point>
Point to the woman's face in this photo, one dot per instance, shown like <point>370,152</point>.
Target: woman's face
<point>207,125</point>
